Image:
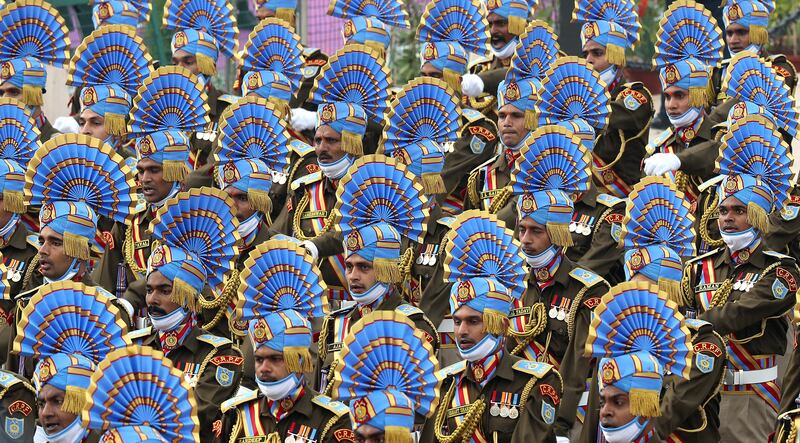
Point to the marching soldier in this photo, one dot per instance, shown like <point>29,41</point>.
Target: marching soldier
<point>284,405</point>
<point>178,270</point>
<point>743,289</point>
<point>19,407</point>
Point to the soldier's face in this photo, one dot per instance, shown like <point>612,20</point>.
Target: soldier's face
<point>270,365</point>
<point>511,122</point>
<point>737,37</point>
<point>498,29</point>
<point>615,407</point>
<point>243,207</point>
<point>262,13</point>
<point>733,216</point>
<point>533,236</point>
<point>469,327</point>
<point>428,70</point>
<point>369,434</point>
<point>186,60</point>
<point>676,101</point>
<point>595,55</point>
<point>5,216</point>
<point>158,295</point>
<point>92,124</point>
<point>52,418</point>
<point>8,90</point>
<point>360,274</point>
<point>53,261</point>
<point>328,144</point>
<point>151,178</point>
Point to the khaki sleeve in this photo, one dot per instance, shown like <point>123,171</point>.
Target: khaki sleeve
<point>782,231</point>
<point>492,79</point>
<point>632,109</point>
<point>603,251</point>
<point>790,388</point>
<point>533,425</point>
<point>341,431</point>
<point>700,160</point>
<point>467,154</point>
<point>105,273</point>
<point>218,382</point>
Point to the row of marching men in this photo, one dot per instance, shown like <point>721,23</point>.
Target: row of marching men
<point>459,160</point>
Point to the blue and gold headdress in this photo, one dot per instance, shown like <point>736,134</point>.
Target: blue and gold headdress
<point>515,11</point>
<point>351,87</point>
<point>76,178</point>
<point>66,319</point>
<point>204,28</point>
<point>170,98</point>
<point>378,202</point>
<point>282,9</point>
<point>450,29</point>
<point>274,46</point>
<point>132,434</point>
<point>521,94</point>
<point>390,12</point>
<point>756,164</point>
<point>138,386</point>
<point>253,150</point>
<point>388,373</point>
<point>197,234</point>
<point>639,334</point>
<point>536,51</point>
<point>487,296</point>
<point>657,232</point>
<point>369,31</point>
<point>752,14</point>
<point>424,159</point>
<point>120,12</point>
<point>689,45</point>
<point>752,79</point>
<point>572,90</point>
<point>32,34</point>
<point>19,140</point>
<point>281,289</point>
<point>553,167</point>
<point>611,23</point>
<point>111,55</point>
<point>480,245</point>
<point>425,109</point>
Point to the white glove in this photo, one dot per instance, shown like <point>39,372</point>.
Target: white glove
<point>303,119</point>
<point>471,85</point>
<point>562,439</point>
<point>66,125</point>
<point>311,248</point>
<point>660,164</point>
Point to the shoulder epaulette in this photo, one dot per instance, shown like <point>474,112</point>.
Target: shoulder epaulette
<point>455,368</point>
<point>472,115</point>
<point>326,402</point>
<point>535,368</point>
<point>308,52</point>
<point>32,240</point>
<point>695,324</point>
<point>228,98</point>
<point>779,256</point>
<point>703,256</point>
<point>632,85</point>
<point>609,200</point>
<point>141,203</point>
<point>341,311</point>
<point>408,310</point>
<point>306,179</point>
<point>233,402</point>
<point>486,163</point>
<point>140,333</point>
<point>8,380</point>
<point>446,221</point>
<point>658,140</point>
<point>479,61</point>
<point>300,148</point>
<point>588,278</point>
<point>710,182</point>
<point>214,340</point>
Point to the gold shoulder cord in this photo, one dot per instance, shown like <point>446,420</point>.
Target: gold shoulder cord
<point>709,210</point>
<point>573,311</point>
<point>681,181</point>
<point>701,409</point>
<point>298,230</point>
<point>623,144</point>
<point>472,188</point>
<point>464,431</point>
<point>127,249</point>
<point>686,285</point>
<point>328,427</point>
<point>236,427</point>
<point>29,272</point>
<point>603,216</point>
<point>323,337</point>
<point>536,324</point>
<point>221,303</point>
<point>500,201</point>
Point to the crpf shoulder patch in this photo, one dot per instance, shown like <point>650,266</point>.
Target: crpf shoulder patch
<point>483,132</point>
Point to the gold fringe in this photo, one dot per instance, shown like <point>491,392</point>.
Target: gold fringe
<point>453,79</point>
<point>432,183</point>
<point>298,359</point>
<point>698,96</point>
<point>285,14</point>
<point>377,46</point>
<point>615,55</point>
<point>32,95</point>
<point>13,201</point>
<point>260,200</point>
<point>273,437</point>
<point>175,170</point>
<point>644,403</point>
<point>757,217</point>
<point>516,25</point>
<point>759,35</point>
<point>397,434</point>
<point>671,287</point>
<point>206,64</point>
<point>74,400</point>
<point>184,294</point>
<point>530,120</point>
<point>495,322</point>
<point>76,246</point>
<point>387,270</point>
<point>352,144</point>
<point>559,234</point>
<point>114,123</point>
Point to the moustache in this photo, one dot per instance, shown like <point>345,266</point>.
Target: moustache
<point>155,310</point>
<point>499,38</point>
